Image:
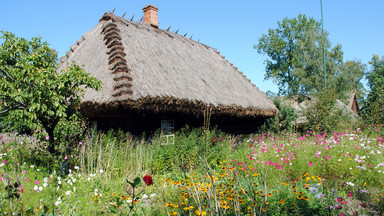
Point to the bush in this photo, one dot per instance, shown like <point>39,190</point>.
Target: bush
<point>283,122</point>
<point>323,114</point>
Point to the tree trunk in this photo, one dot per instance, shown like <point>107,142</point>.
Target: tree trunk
<point>51,144</point>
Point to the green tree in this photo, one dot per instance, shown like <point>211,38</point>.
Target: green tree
<point>295,63</point>
<point>33,93</point>
<point>374,108</point>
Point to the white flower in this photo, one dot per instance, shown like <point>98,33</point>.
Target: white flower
<point>32,166</point>
<point>45,179</point>
<point>45,184</point>
<point>74,180</point>
<point>145,196</point>
<point>57,203</point>
<point>58,187</point>
<point>40,188</point>
<point>76,168</point>
<point>59,182</point>
<point>68,193</point>
<point>58,178</point>
<point>350,184</point>
<point>339,160</point>
<point>95,191</point>
<point>70,174</point>
<point>36,187</point>
<point>101,171</point>
<point>74,189</point>
<point>152,195</point>
<point>89,178</point>
<point>38,170</point>
<point>2,164</point>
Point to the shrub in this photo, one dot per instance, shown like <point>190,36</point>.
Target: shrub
<point>283,122</point>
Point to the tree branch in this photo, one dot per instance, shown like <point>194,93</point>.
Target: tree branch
<point>7,75</point>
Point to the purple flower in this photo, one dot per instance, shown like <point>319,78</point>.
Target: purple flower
<point>320,195</point>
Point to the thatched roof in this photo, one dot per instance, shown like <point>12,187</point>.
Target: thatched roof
<point>142,67</point>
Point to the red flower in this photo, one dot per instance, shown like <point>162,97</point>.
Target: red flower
<point>148,180</point>
<point>350,195</point>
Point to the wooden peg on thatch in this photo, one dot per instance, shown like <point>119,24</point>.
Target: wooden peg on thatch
<point>124,14</point>
<point>168,28</point>
<point>141,20</point>
<point>185,34</point>
<point>132,17</point>
<point>176,31</point>
<point>191,37</point>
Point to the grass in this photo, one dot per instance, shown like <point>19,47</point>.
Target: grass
<point>201,174</point>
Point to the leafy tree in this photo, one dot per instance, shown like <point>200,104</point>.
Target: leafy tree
<point>295,51</point>
<point>33,93</point>
<point>374,109</point>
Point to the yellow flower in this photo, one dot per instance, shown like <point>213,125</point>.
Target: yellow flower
<point>173,213</point>
<point>198,212</point>
<point>168,204</point>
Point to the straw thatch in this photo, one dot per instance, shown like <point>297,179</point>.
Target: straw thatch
<point>146,68</point>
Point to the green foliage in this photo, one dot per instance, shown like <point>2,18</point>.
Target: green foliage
<point>285,121</point>
<point>323,114</point>
<point>191,146</point>
<point>374,107</point>
<point>295,51</point>
<point>33,93</point>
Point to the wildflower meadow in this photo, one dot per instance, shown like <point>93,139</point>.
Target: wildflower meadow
<point>203,173</point>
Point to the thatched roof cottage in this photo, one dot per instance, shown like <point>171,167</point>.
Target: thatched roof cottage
<point>154,78</point>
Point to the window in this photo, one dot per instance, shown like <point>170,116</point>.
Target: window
<point>167,126</point>
<point>167,129</point>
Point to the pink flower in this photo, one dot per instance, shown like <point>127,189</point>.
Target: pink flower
<point>47,137</point>
<point>310,163</point>
<point>5,161</point>
<point>36,182</point>
<point>350,195</point>
<point>66,157</point>
<point>27,179</point>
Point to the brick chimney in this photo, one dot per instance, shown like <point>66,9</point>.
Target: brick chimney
<point>150,15</point>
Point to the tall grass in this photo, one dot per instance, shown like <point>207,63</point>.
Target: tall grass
<point>202,173</point>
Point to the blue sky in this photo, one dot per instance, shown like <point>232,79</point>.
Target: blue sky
<point>232,27</point>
